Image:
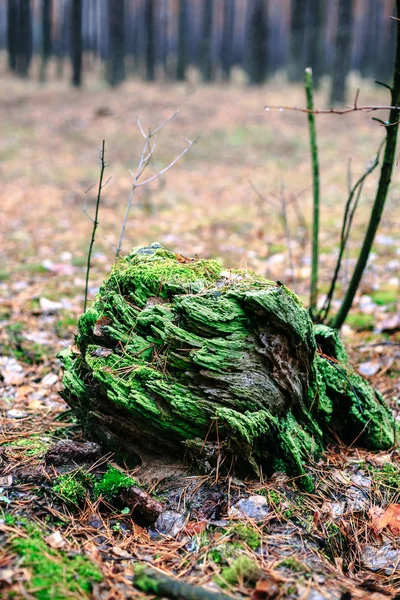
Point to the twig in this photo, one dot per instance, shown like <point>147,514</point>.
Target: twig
<point>333,111</point>
<point>155,582</point>
<point>95,220</point>
<point>348,216</point>
<point>308,84</point>
<point>144,161</point>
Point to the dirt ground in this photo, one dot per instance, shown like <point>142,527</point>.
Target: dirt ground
<point>225,199</point>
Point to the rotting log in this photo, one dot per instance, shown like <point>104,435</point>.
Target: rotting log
<point>179,356</point>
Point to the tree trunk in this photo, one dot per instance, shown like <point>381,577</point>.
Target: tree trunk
<point>12,32</point>
<point>24,38</point>
<point>182,41</point>
<point>257,43</point>
<point>206,64</point>
<point>76,42</point>
<point>116,51</point>
<point>46,37</point>
<point>180,357</point>
<point>227,39</point>
<point>315,39</point>
<point>296,63</point>
<point>342,61</point>
<point>149,26</point>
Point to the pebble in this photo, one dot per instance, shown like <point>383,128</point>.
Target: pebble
<point>253,507</point>
<point>170,523</point>
<point>16,414</point>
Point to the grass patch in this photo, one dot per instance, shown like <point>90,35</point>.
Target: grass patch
<point>384,297</point>
<point>361,322</point>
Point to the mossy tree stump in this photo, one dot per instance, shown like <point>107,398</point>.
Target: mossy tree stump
<point>178,356</point>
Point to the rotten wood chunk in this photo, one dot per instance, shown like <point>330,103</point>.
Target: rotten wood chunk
<point>141,503</point>
<point>223,361</point>
<point>68,451</point>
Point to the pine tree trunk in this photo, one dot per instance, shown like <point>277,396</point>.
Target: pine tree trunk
<point>46,37</point>
<point>227,39</point>
<point>149,26</point>
<point>116,51</point>
<point>257,43</point>
<point>12,32</point>
<point>342,62</point>
<point>206,64</point>
<point>296,63</point>
<point>182,41</point>
<point>76,42</point>
<point>24,38</point>
<point>315,40</point>
<point>180,357</point>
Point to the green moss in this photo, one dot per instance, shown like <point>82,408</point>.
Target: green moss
<point>32,446</point>
<point>384,297</point>
<point>292,564</point>
<point>143,581</point>
<point>55,575</point>
<point>248,535</point>
<point>181,350</point>
<point>242,568</point>
<point>387,476</point>
<point>112,482</point>
<point>73,487</point>
<point>360,322</point>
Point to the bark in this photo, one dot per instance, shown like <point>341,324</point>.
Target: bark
<point>12,29</point>
<point>116,54</point>
<point>297,40</point>
<point>76,42</point>
<point>46,37</point>
<point>24,38</point>
<point>149,25</point>
<point>227,39</point>
<point>257,43</point>
<point>342,61</point>
<point>206,62</point>
<point>182,41</point>
<point>178,356</point>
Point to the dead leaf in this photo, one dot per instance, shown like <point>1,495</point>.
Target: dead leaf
<point>389,518</point>
<point>55,540</point>
<point>194,527</point>
<point>266,589</point>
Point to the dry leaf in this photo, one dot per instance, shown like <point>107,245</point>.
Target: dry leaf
<point>389,518</point>
<point>117,551</point>
<point>266,589</point>
<point>55,540</point>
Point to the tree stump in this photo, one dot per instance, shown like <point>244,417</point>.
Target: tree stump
<point>178,356</point>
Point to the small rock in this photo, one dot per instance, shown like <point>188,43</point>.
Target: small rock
<point>369,368</point>
<point>334,509</point>
<point>16,414</point>
<point>357,500</point>
<point>49,307</point>
<point>386,557</point>
<point>55,540</point>
<point>253,507</point>
<point>77,452</point>
<point>49,379</point>
<point>170,523</point>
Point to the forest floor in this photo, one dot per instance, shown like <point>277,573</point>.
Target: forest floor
<point>59,540</point>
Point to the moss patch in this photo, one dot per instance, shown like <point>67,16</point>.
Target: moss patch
<point>55,574</point>
<point>112,482</point>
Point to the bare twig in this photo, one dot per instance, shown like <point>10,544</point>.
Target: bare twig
<point>350,209</point>
<point>143,163</point>
<point>95,220</point>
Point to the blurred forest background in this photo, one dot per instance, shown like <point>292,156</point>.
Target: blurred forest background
<point>211,40</point>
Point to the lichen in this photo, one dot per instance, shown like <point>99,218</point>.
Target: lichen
<point>176,349</point>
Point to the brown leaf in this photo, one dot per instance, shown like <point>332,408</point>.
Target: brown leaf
<point>266,589</point>
<point>389,518</point>
<point>55,540</point>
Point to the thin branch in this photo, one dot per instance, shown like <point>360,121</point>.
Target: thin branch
<point>144,161</point>
<point>332,111</point>
<point>348,216</point>
<point>171,164</point>
<point>95,221</point>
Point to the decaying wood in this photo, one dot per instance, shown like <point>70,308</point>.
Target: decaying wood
<point>178,356</point>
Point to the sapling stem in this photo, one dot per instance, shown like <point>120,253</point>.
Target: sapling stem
<point>308,84</point>
<point>95,221</point>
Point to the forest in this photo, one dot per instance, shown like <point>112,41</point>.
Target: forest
<point>199,299</point>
